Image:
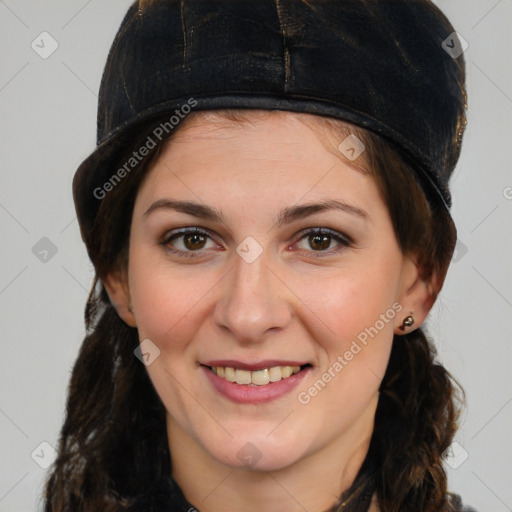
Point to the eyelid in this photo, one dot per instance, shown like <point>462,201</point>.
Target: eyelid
<point>326,231</point>
<point>185,231</point>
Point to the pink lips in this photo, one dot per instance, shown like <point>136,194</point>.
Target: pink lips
<point>247,394</point>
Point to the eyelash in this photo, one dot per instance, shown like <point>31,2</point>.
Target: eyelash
<point>343,240</point>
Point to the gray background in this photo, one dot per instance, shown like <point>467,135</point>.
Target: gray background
<point>47,112</point>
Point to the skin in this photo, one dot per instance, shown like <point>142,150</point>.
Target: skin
<point>288,304</point>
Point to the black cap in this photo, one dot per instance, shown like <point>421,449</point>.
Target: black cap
<point>389,66</point>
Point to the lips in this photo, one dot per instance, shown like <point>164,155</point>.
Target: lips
<point>255,382</point>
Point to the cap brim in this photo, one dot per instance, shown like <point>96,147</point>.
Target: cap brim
<point>99,168</point>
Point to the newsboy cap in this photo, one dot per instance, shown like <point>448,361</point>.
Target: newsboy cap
<point>394,67</point>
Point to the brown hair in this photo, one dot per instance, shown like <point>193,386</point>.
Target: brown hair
<point>113,453</point>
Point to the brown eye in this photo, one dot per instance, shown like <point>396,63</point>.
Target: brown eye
<point>319,242</point>
<point>193,241</point>
<point>323,241</point>
<point>188,241</point>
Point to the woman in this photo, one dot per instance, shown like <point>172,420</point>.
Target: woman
<point>267,212</point>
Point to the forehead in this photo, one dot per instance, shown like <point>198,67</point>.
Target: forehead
<point>268,158</point>
<point>340,138</point>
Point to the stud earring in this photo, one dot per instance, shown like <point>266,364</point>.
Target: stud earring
<point>407,322</point>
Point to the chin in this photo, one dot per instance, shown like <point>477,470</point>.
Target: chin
<point>255,453</point>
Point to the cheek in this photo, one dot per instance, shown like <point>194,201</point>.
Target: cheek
<point>353,356</point>
<point>351,304</point>
<point>354,313</point>
<point>167,303</point>
<point>159,309</point>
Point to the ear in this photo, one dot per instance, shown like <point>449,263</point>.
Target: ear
<point>116,285</point>
<point>417,295</point>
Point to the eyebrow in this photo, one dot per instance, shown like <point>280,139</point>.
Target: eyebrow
<point>286,216</point>
<point>195,209</point>
<point>293,213</point>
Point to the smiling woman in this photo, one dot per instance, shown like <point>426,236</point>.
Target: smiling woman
<point>254,332</point>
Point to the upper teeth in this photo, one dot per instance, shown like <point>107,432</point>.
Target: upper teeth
<point>258,377</point>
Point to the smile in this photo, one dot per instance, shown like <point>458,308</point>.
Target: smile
<point>258,377</point>
<point>255,383</point>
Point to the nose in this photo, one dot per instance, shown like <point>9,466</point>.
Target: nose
<point>254,301</point>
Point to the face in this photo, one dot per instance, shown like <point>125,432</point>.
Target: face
<point>259,256</point>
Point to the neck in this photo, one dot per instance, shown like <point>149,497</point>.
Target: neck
<point>314,483</point>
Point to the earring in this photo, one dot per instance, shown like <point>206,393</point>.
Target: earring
<point>407,322</point>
